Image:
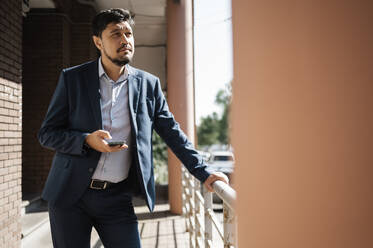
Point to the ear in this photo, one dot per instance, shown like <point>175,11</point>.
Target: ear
<point>97,41</point>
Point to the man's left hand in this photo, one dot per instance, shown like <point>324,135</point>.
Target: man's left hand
<point>214,177</point>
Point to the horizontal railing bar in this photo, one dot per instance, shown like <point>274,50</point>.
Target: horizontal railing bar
<point>225,192</point>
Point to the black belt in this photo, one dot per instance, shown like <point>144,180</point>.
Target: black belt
<point>98,184</point>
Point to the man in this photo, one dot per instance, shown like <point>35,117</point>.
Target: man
<point>90,182</point>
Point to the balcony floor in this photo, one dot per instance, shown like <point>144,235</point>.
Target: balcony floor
<point>160,229</point>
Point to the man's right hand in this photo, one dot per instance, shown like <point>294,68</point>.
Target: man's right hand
<point>96,140</point>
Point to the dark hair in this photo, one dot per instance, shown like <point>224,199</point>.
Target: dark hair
<point>102,19</point>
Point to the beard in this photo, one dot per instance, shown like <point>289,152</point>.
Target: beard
<point>117,61</point>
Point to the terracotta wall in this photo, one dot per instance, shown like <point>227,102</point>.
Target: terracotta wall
<point>180,87</point>
<point>302,123</point>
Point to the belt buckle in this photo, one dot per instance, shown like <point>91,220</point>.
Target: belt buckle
<point>94,187</point>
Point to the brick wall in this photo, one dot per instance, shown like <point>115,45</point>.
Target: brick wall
<point>10,122</point>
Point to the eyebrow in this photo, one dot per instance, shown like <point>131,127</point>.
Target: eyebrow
<point>119,29</point>
<point>115,30</point>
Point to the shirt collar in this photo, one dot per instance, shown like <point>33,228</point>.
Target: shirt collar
<point>101,72</point>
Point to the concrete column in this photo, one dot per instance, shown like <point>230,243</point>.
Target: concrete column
<point>302,123</point>
<point>179,85</point>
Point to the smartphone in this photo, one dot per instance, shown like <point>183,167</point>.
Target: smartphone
<point>116,143</point>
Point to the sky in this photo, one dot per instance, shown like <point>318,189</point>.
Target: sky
<point>212,53</point>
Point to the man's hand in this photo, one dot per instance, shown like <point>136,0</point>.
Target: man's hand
<point>214,177</point>
<point>96,140</point>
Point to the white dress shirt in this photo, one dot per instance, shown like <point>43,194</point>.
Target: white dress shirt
<point>114,166</point>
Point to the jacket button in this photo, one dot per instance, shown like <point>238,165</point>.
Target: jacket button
<point>90,169</point>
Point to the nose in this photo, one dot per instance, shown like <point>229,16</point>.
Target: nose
<point>124,39</point>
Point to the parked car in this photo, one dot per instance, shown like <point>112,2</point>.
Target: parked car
<point>222,161</point>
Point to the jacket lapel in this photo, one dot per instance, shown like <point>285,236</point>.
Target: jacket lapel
<point>133,95</point>
<point>93,88</point>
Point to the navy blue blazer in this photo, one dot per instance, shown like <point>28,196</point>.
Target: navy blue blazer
<point>75,111</point>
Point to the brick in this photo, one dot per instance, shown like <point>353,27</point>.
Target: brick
<point>7,89</point>
<point>16,189</point>
<point>16,175</point>
<point>13,169</point>
<point>8,205</point>
<point>7,178</point>
<point>3,126</point>
<point>12,155</point>
<point>13,198</point>
<point>4,96</point>
<point>3,171</point>
<point>8,148</point>
<point>4,111</point>
<point>3,216</point>
<point>4,141</point>
<point>11,162</point>
<point>17,148</point>
<point>3,201</point>
<point>6,119</point>
<point>17,106</point>
<point>8,192</point>
<point>14,113</point>
<point>4,156</point>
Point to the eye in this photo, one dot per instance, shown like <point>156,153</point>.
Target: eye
<point>116,35</point>
<point>128,34</point>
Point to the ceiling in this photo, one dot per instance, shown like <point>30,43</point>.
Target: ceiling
<point>150,30</point>
<point>150,17</point>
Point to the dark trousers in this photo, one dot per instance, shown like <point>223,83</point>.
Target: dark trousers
<point>110,211</point>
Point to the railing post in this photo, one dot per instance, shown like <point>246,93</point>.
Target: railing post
<point>198,218</point>
<point>192,223</point>
<point>188,205</point>
<point>229,227</point>
<point>184,197</point>
<point>208,222</point>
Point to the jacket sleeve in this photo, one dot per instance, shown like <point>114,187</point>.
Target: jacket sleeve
<point>169,130</point>
<point>54,132</point>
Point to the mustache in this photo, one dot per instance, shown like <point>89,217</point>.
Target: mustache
<point>124,47</point>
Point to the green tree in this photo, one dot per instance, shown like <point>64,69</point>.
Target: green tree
<point>214,129</point>
<point>223,99</point>
<point>208,130</point>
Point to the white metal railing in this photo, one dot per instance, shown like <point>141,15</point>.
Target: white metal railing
<point>200,217</point>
